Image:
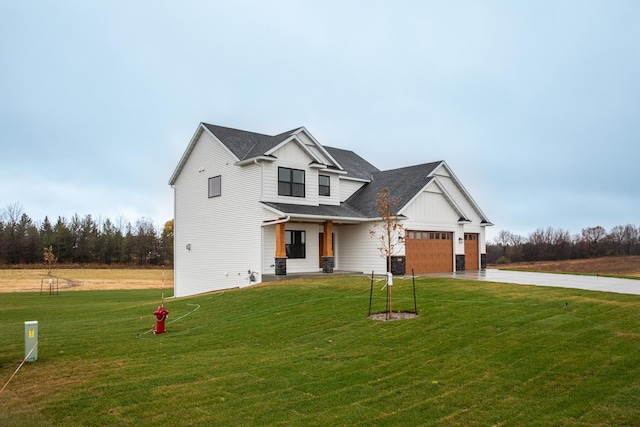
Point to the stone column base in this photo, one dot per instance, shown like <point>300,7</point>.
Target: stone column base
<point>281,266</point>
<point>327,264</point>
<point>398,265</point>
<point>460,263</point>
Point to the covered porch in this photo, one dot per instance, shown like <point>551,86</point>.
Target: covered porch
<point>301,247</point>
<point>303,240</point>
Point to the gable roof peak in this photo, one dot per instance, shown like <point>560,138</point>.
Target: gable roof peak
<point>245,144</point>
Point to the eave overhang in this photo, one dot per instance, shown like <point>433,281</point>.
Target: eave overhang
<point>304,213</point>
<point>255,159</point>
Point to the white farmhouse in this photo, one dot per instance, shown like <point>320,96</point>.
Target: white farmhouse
<point>250,206</point>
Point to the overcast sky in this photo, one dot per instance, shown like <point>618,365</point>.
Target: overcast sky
<point>534,105</point>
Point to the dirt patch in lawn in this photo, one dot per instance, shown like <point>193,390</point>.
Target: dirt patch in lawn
<point>387,317</point>
<point>27,280</point>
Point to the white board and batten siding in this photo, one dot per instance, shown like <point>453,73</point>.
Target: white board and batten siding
<point>215,239</point>
<point>431,211</point>
<point>312,147</point>
<point>465,204</point>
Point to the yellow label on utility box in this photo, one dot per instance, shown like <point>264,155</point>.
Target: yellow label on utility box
<point>31,341</point>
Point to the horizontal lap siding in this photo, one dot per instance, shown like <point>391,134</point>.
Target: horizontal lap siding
<point>295,265</point>
<point>334,197</point>
<point>310,262</point>
<point>290,156</point>
<point>358,251</point>
<point>348,187</point>
<point>223,232</point>
<point>269,249</point>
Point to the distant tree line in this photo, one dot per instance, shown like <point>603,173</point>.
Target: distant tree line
<point>83,240</point>
<point>550,244</point>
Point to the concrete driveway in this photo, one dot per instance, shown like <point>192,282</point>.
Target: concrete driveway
<point>590,283</point>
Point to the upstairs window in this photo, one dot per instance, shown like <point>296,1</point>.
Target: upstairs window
<point>290,182</point>
<point>295,243</point>
<point>215,186</point>
<point>324,185</point>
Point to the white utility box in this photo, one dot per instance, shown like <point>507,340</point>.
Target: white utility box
<point>31,341</point>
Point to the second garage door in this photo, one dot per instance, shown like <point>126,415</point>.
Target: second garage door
<point>429,251</point>
<point>471,251</point>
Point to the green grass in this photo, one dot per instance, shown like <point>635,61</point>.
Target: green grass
<point>304,353</point>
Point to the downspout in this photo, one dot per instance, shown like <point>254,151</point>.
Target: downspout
<point>262,233</point>
<point>261,178</point>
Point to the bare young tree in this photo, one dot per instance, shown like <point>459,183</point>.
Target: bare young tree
<point>50,260</point>
<point>387,231</point>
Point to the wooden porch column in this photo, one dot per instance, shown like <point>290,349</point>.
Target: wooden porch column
<point>328,261</point>
<point>328,239</point>
<point>281,250</point>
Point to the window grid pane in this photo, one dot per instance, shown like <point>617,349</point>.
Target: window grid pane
<point>291,182</point>
<point>324,185</point>
<point>295,243</point>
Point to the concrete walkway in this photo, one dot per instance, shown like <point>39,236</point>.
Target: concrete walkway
<point>590,283</point>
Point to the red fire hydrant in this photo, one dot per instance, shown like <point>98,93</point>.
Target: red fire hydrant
<point>161,315</point>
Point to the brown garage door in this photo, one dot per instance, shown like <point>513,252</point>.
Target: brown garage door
<point>471,256</point>
<point>429,251</point>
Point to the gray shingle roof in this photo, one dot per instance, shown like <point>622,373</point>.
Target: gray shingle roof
<point>403,183</point>
<point>356,166</point>
<point>342,211</point>
<point>247,145</point>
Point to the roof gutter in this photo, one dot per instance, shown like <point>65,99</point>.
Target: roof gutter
<point>254,159</point>
<point>277,221</point>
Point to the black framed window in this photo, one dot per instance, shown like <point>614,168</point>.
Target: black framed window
<point>295,243</point>
<point>215,186</point>
<point>291,182</point>
<point>324,185</point>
